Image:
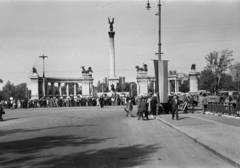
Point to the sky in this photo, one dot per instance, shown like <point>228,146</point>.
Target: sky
<point>75,33</point>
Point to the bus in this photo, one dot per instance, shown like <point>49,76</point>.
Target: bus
<point>233,94</point>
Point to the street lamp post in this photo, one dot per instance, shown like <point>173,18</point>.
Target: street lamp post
<point>43,90</point>
<point>159,28</point>
<point>162,65</point>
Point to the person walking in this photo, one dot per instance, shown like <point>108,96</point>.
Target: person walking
<point>204,103</point>
<point>1,110</point>
<point>101,101</point>
<point>175,105</point>
<point>143,108</point>
<point>129,108</point>
<point>191,103</point>
<point>185,104</point>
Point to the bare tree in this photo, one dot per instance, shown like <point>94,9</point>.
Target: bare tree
<point>235,71</point>
<point>218,63</point>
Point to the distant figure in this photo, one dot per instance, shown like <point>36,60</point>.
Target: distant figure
<point>111,24</point>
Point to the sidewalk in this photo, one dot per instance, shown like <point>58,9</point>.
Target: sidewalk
<point>218,134</point>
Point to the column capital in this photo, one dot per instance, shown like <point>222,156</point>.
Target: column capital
<point>111,33</point>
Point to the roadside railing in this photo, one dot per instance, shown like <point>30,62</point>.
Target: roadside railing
<point>224,108</point>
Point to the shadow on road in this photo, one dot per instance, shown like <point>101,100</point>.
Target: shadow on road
<point>8,119</point>
<point>110,157</point>
<point>29,149</point>
<point>14,131</point>
<point>182,118</point>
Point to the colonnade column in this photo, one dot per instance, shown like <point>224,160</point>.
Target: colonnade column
<point>53,88</point>
<point>175,85</point>
<point>60,89</point>
<point>46,88</point>
<point>67,89</point>
<point>75,89</point>
<point>169,87</point>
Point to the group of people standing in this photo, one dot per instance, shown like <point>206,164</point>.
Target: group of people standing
<point>148,105</point>
<point>142,108</point>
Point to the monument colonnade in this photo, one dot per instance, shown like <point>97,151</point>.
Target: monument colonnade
<point>38,88</point>
<point>60,87</point>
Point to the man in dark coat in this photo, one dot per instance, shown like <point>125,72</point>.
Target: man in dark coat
<point>25,103</point>
<point>101,101</point>
<point>143,108</point>
<point>1,110</point>
<point>174,104</point>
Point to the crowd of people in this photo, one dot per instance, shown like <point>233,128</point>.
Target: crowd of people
<point>145,104</point>
<point>64,102</point>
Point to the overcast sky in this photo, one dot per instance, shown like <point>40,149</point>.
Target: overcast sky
<point>75,33</point>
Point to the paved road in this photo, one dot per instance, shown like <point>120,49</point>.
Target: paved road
<point>94,137</point>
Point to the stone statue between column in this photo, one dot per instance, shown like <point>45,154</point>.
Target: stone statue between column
<point>34,71</point>
<point>193,67</point>
<point>111,24</point>
<point>173,72</point>
<point>112,87</point>
<point>84,71</point>
<point>144,68</point>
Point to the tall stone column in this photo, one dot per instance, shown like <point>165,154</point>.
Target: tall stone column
<point>60,89</point>
<point>113,80</point>
<point>112,54</point>
<point>67,89</point>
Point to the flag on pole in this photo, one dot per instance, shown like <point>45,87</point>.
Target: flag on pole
<point>155,62</point>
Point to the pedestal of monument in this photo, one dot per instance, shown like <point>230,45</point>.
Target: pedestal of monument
<point>34,86</point>
<point>193,77</point>
<point>112,81</point>
<point>87,85</point>
<point>142,83</point>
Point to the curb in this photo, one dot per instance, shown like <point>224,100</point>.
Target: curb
<point>228,160</point>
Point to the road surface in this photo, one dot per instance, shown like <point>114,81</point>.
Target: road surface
<point>89,137</point>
